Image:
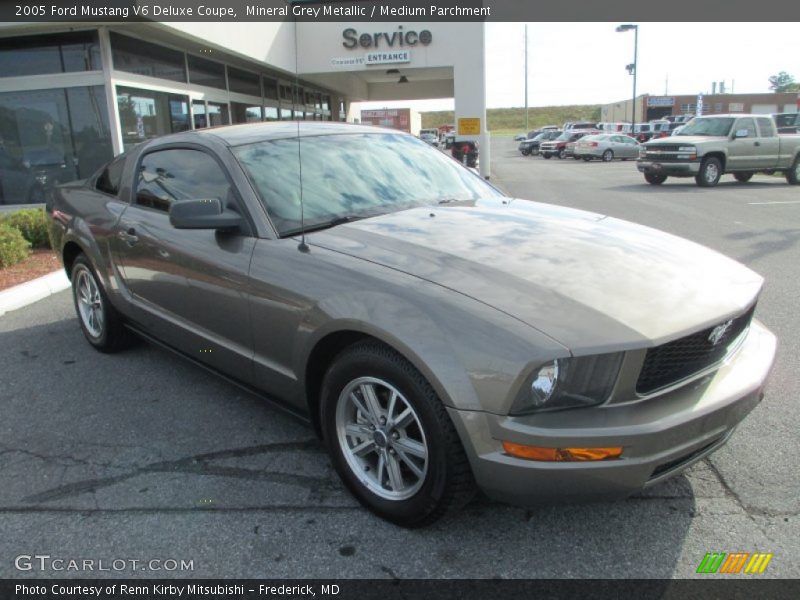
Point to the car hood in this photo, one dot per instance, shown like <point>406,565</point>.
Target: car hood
<point>592,282</point>
<point>671,140</point>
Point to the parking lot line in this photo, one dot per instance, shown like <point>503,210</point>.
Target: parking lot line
<point>776,202</point>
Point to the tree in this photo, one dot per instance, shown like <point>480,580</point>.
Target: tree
<point>783,82</point>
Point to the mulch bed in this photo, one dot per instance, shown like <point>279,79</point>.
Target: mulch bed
<point>41,262</point>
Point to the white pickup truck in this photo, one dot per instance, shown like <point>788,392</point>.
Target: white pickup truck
<point>710,146</point>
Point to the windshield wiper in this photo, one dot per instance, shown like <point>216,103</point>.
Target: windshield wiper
<point>326,225</point>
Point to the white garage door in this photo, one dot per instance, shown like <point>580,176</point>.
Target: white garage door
<point>765,109</point>
<point>792,108</point>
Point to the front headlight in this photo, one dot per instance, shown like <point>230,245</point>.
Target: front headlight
<point>569,383</point>
<point>686,148</point>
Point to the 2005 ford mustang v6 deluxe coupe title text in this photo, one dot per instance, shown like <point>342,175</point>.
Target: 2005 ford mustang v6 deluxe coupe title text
<point>438,335</point>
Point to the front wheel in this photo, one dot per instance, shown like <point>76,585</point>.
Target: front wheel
<point>102,325</point>
<point>793,174</point>
<point>743,177</point>
<point>390,438</point>
<point>710,172</point>
<point>562,154</point>
<point>655,178</point>
<point>525,152</point>
<point>547,155</point>
<point>608,156</point>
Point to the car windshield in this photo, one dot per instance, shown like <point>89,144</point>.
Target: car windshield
<point>710,127</point>
<point>351,176</point>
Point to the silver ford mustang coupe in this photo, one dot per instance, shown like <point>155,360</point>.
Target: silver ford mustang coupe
<point>438,335</point>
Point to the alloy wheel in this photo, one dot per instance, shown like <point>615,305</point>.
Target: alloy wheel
<point>90,303</point>
<point>382,439</point>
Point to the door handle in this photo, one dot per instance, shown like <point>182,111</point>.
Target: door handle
<point>128,236</point>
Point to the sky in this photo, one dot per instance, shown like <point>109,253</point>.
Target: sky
<point>584,63</point>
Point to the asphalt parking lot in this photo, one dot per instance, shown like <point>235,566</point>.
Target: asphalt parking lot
<point>142,456</point>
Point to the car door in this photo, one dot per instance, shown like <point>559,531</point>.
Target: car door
<point>743,151</point>
<point>770,148</point>
<point>628,147</point>
<point>188,286</point>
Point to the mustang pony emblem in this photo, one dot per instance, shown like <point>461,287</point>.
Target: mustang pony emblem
<point>718,332</point>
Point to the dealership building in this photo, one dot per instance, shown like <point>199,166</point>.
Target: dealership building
<point>74,95</point>
<point>656,107</point>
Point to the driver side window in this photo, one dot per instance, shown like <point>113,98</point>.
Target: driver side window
<point>167,176</point>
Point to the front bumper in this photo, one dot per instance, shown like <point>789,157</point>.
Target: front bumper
<point>661,436</point>
<point>675,169</point>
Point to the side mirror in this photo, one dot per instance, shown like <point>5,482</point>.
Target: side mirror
<point>740,133</point>
<point>204,213</point>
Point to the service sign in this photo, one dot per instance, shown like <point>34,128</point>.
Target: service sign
<point>660,101</point>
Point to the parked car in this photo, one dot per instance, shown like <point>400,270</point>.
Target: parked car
<point>465,152</point>
<point>449,139</point>
<point>708,147</point>
<point>531,146</point>
<point>642,132</point>
<point>607,147</point>
<point>570,125</point>
<point>520,136</point>
<point>558,146</point>
<point>787,122</point>
<point>430,138</point>
<point>611,127</point>
<point>432,348</point>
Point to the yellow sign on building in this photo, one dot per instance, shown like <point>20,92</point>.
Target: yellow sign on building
<point>469,126</point>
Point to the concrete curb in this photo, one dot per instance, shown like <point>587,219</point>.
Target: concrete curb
<point>32,291</point>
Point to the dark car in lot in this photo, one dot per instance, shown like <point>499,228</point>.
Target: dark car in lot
<point>787,122</point>
<point>437,334</point>
<point>531,145</point>
<point>558,145</point>
<point>465,152</point>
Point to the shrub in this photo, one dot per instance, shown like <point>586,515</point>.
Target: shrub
<point>13,247</point>
<point>32,224</point>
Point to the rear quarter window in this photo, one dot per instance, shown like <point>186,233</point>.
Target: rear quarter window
<point>109,179</point>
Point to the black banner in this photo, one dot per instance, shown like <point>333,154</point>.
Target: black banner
<point>744,588</point>
<point>391,11</point>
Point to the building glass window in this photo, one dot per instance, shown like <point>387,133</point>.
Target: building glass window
<point>270,113</point>
<point>140,57</point>
<point>286,92</point>
<point>49,137</point>
<point>286,114</point>
<point>206,72</point>
<point>270,88</point>
<point>145,114</point>
<point>244,113</point>
<point>56,53</point>
<point>218,114</point>
<point>243,82</point>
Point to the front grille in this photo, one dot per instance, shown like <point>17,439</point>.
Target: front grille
<point>661,148</point>
<point>675,361</point>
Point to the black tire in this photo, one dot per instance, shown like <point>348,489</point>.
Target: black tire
<point>655,178</point>
<point>793,174</point>
<point>447,484</point>
<point>562,154</point>
<point>743,177</point>
<point>111,334</point>
<point>574,157</point>
<point>710,172</point>
<point>525,152</point>
<point>547,155</point>
<point>587,158</point>
<point>608,156</point>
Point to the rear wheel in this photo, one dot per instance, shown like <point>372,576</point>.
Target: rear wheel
<point>793,174</point>
<point>390,438</point>
<point>562,154</point>
<point>743,177</point>
<point>655,178</point>
<point>710,172</point>
<point>608,156</point>
<point>102,325</point>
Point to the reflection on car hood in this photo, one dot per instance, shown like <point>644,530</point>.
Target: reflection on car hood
<point>671,140</point>
<point>593,283</point>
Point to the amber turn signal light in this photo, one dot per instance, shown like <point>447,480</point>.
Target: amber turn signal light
<point>561,454</point>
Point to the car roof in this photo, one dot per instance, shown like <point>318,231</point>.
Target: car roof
<point>248,133</point>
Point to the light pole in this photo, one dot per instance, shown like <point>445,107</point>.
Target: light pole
<point>632,67</point>
<point>526,79</point>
